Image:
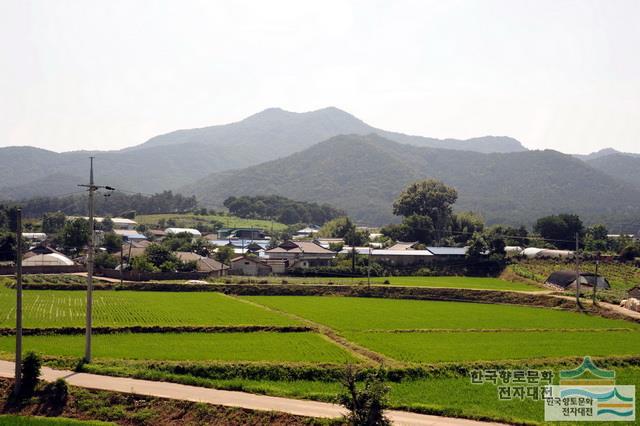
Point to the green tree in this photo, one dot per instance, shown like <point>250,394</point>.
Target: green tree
<point>107,224</point>
<point>178,242</point>
<point>630,252</point>
<point>224,254</point>
<point>75,234</point>
<point>112,242</point>
<point>143,264</point>
<point>342,227</point>
<point>8,246</point>
<point>52,223</point>
<point>366,403</point>
<point>560,229</point>
<point>431,199</point>
<point>595,238</point>
<point>158,254</point>
<point>106,260</point>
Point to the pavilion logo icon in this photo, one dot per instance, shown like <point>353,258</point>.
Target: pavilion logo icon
<point>589,393</point>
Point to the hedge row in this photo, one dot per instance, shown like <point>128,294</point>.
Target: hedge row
<point>157,329</point>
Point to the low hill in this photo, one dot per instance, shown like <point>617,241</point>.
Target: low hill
<point>363,175</point>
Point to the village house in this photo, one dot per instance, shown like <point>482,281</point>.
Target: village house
<point>306,232</point>
<point>250,266</point>
<point>129,235</point>
<point>241,234</point>
<point>203,264</point>
<point>301,254</point>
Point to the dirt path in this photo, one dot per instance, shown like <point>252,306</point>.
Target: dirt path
<point>226,398</point>
<point>609,306</point>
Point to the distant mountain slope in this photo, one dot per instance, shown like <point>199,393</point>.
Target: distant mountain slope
<point>51,185</point>
<point>603,153</point>
<point>291,132</point>
<point>622,166</point>
<point>175,159</point>
<point>363,174</point>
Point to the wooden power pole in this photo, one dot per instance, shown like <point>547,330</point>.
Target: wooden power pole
<point>18,373</point>
<point>92,188</point>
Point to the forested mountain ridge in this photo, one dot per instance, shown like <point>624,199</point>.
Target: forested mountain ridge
<point>621,165</point>
<point>363,174</point>
<point>178,158</point>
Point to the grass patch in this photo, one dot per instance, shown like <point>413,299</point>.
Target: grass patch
<point>59,308</point>
<point>477,346</point>
<point>359,314</point>
<point>259,346</point>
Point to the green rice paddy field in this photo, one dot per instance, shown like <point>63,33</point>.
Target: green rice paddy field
<point>474,283</point>
<point>57,308</point>
<point>7,420</point>
<point>258,346</point>
<point>407,332</point>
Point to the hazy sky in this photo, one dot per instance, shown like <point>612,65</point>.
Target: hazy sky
<point>105,75</point>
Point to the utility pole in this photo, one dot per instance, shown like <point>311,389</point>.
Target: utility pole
<point>578,273</point>
<point>595,286</point>
<point>18,365</point>
<point>92,188</point>
<point>369,267</point>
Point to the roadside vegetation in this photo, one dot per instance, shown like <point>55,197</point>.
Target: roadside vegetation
<point>100,408</point>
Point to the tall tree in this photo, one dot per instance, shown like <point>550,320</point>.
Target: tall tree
<point>75,234</point>
<point>560,229</point>
<point>427,207</point>
<point>53,222</point>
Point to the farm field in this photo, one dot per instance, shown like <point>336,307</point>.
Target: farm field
<point>8,420</point>
<point>257,346</point>
<point>362,314</point>
<point>410,333</point>
<point>56,308</point>
<point>188,220</point>
<point>475,283</point>
<point>621,276</point>
<point>440,347</point>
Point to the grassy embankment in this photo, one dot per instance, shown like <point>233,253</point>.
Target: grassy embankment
<point>96,408</point>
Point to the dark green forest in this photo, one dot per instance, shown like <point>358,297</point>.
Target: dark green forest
<point>281,209</point>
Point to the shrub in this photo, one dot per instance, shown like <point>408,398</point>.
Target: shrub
<point>57,393</point>
<point>366,404</point>
<point>31,366</point>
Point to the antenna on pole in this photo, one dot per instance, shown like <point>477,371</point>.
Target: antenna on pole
<point>92,188</point>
